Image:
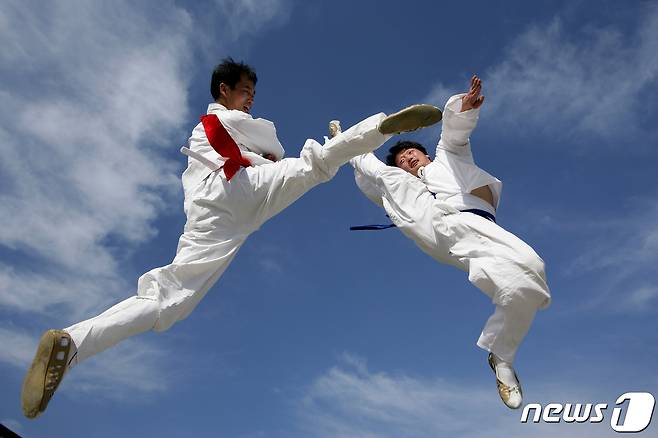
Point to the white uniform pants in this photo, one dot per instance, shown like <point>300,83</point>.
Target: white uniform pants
<point>221,215</point>
<point>505,268</point>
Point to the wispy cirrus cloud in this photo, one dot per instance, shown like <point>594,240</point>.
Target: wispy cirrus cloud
<point>591,81</point>
<point>615,254</point>
<point>121,373</point>
<point>621,254</point>
<point>629,246</point>
<point>643,298</point>
<point>584,82</point>
<point>349,400</point>
<point>19,347</point>
<point>246,16</point>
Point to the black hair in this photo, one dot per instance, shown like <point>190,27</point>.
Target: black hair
<point>402,146</point>
<point>230,73</point>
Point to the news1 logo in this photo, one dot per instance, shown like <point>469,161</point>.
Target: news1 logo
<point>637,416</point>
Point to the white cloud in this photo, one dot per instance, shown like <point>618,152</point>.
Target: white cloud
<point>38,292</point>
<point>642,298</point>
<point>615,254</point>
<point>621,245</point>
<point>19,347</point>
<point>122,372</point>
<point>593,81</point>
<point>351,401</point>
<point>94,91</point>
<point>439,94</point>
<point>247,16</point>
<point>571,83</point>
<point>95,102</point>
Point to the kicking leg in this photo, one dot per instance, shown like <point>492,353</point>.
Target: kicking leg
<point>285,181</point>
<point>280,184</point>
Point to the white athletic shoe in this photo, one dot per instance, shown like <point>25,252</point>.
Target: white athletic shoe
<point>46,372</point>
<point>511,394</point>
<point>410,118</point>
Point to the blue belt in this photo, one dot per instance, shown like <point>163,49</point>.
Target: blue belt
<point>482,213</point>
<point>377,227</point>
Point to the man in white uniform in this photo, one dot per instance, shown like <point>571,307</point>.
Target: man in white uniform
<point>235,181</point>
<point>448,207</point>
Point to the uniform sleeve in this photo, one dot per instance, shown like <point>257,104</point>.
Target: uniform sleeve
<point>368,165</point>
<point>366,168</point>
<point>457,127</point>
<point>257,135</point>
<point>405,197</point>
<point>401,194</point>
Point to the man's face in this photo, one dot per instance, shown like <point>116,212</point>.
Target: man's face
<point>411,160</point>
<point>240,98</point>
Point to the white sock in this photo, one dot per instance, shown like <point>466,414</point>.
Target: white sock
<point>505,372</point>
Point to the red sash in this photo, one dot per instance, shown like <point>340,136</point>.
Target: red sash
<point>224,145</point>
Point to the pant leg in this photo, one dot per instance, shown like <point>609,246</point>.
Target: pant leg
<point>282,183</point>
<point>505,329</point>
<point>168,294</point>
<point>506,269</point>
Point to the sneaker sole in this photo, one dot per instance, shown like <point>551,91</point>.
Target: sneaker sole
<point>35,396</point>
<point>411,118</point>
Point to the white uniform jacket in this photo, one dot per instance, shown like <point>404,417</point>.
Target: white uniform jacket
<point>427,210</point>
<point>254,137</point>
<point>444,184</point>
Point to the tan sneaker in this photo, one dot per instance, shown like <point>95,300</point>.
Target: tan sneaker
<point>512,395</point>
<point>411,118</point>
<point>46,373</point>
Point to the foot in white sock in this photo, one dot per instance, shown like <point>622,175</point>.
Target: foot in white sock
<point>509,387</point>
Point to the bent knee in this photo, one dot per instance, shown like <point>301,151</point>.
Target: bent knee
<point>171,313</point>
<point>531,261</point>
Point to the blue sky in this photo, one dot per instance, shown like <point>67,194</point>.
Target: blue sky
<point>315,331</point>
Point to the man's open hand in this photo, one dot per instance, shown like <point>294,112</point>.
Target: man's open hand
<point>473,98</point>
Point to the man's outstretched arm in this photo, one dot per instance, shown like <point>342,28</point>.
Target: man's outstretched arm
<point>366,169</point>
<point>368,165</point>
<point>460,117</point>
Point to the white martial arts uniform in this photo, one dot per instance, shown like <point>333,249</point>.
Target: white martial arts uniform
<point>221,214</point>
<point>427,210</point>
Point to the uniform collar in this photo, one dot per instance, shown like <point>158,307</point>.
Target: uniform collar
<point>214,108</point>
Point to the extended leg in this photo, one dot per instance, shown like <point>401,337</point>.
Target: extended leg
<point>280,184</point>
<point>506,328</point>
<point>510,272</point>
<point>164,295</point>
